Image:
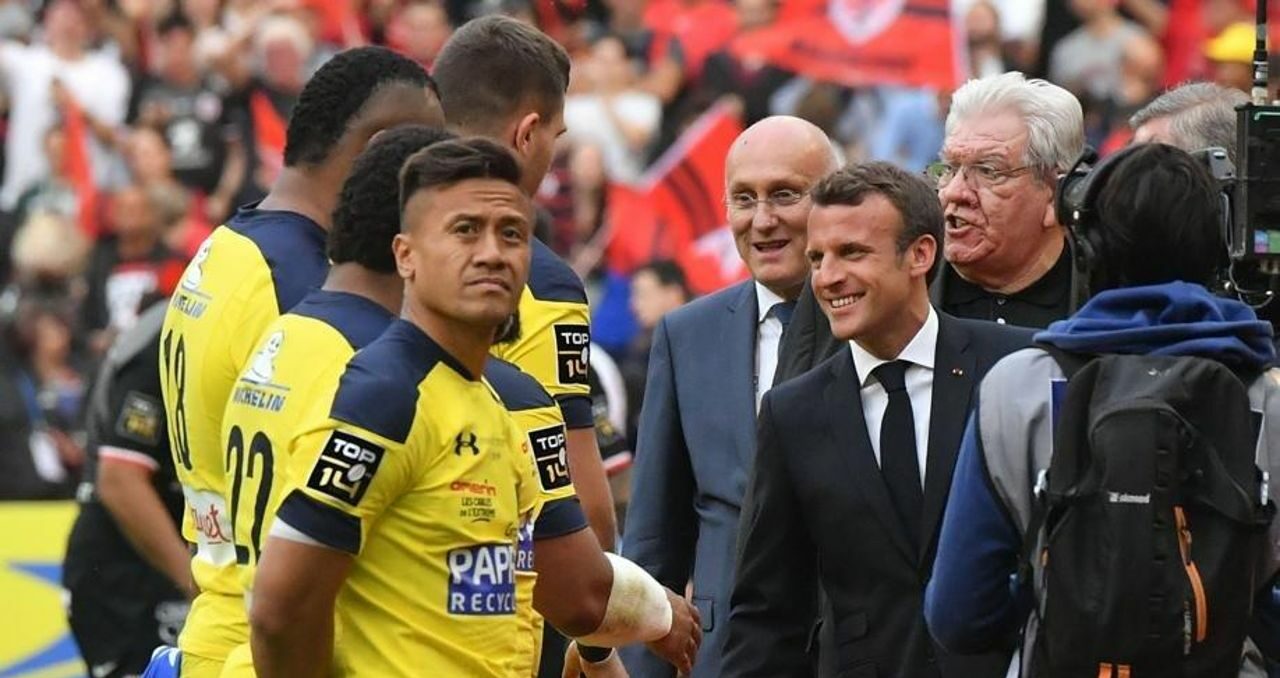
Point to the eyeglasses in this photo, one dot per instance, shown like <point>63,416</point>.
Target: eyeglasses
<point>746,202</point>
<point>980,174</point>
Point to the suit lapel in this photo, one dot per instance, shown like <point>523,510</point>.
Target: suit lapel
<point>849,432</point>
<point>734,362</point>
<point>953,379</point>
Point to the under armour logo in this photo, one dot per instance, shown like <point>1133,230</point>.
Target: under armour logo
<point>466,440</point>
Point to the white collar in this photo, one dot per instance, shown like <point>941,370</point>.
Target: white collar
<point>765,300</point>
<point>921,350</point>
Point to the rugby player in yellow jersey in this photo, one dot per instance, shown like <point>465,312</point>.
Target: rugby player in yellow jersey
<point>452,609</point>
<point>303,352</point>
<point>248,272</point>
<point>502,79</point>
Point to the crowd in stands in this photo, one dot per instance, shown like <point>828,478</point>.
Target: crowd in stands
<point>131,128</point>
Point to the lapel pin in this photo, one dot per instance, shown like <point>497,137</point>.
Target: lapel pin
<point>957,372</point>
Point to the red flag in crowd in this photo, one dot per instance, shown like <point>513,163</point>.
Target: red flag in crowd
<point>862,42</point>
<point>78,166</point>
<point>702,28</point>
<point>269,135</point>
<point>677,211</point>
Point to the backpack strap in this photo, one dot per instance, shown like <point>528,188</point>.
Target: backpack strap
<point>1069,362</point>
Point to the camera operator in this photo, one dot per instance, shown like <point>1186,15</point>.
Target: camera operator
<point>1153,230</point>
<point>1194,117</point>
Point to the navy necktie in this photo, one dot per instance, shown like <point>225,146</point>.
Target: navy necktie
<point>898,463</point>
<point>783,311</point>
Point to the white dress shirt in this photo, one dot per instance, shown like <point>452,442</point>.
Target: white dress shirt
<point>768,336</point>
<point>920,352</point>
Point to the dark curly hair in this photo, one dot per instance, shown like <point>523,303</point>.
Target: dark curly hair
<point>336,95</point>
<point>367,217</point>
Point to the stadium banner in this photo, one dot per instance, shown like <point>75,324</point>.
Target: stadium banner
<point>34,639</point>
<point>677,210</point>
<point>863,42</point>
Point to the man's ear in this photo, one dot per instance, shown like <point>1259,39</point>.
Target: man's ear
<point>922,254</point>
<point>523,134</point>
<point>404,256</point>
<point>1050,219</point>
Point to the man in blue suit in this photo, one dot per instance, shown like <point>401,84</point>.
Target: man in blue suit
<point>710,364</point>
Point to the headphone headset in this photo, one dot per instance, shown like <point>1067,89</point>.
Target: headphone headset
<point>1075,204</point>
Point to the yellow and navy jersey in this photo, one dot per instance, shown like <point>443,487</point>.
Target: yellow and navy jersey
<point>297,365</point>
<point>417,470</point>
<point>245,274</point>
<point>538,416</point>
<point>555,337</point>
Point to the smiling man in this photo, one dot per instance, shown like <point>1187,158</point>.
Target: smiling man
<point>1004,256</point>
<point>851,501</point>
<point>710,363</point>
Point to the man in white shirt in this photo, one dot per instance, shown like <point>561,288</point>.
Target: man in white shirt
<point>711,362</point>
<point>40,78</point>
<point>855,456</point>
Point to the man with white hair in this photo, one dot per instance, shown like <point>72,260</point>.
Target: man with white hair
<point>1006,258</point>
<point>1193,117</point>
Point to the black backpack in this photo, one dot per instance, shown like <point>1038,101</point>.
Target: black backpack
<point>1150,523</point>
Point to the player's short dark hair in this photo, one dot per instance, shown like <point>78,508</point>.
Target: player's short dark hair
<point>669,274</point>
<point>1158,220</point>
<point>494,66</point>
<point>367,217</point>
<point>337,94</point>
<point>449,162</point>
<point>915,199</point>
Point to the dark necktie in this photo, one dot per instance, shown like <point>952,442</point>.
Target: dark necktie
<point>783,311</point>
<point>898,463</point>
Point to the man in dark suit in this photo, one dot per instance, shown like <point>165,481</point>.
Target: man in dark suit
<point>1005,257</point>
<point>710,363</point>
<point>855,457</point>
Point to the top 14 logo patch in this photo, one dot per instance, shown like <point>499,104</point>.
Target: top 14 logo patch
<point>573,353</point>
<point>345,467</point>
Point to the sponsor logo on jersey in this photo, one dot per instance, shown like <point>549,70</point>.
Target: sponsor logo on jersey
<point>476,503</point>
<point>466,441</point>
<point>255,388</point>
<point>548,447</point>
<point>482,580</point>
<point>573,346</point>
<point>257,398</point>
<point>213,526</point>
<point>194,274</point>
<point>188,299</point>
<point>345,467</point>
<point>263,365</point>
<point>524,547</point>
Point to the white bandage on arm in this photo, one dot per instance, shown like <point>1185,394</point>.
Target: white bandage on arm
<point>638,609</point>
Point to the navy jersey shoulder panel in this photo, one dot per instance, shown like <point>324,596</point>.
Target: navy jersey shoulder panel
<point>359,320</point>
<point>518,390</point>
<point>577,411</point>
<point>293,246</point>
<point>321,522</point>
<point>379,389</point>
<point>558,518</point>
<point>551,279</point>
